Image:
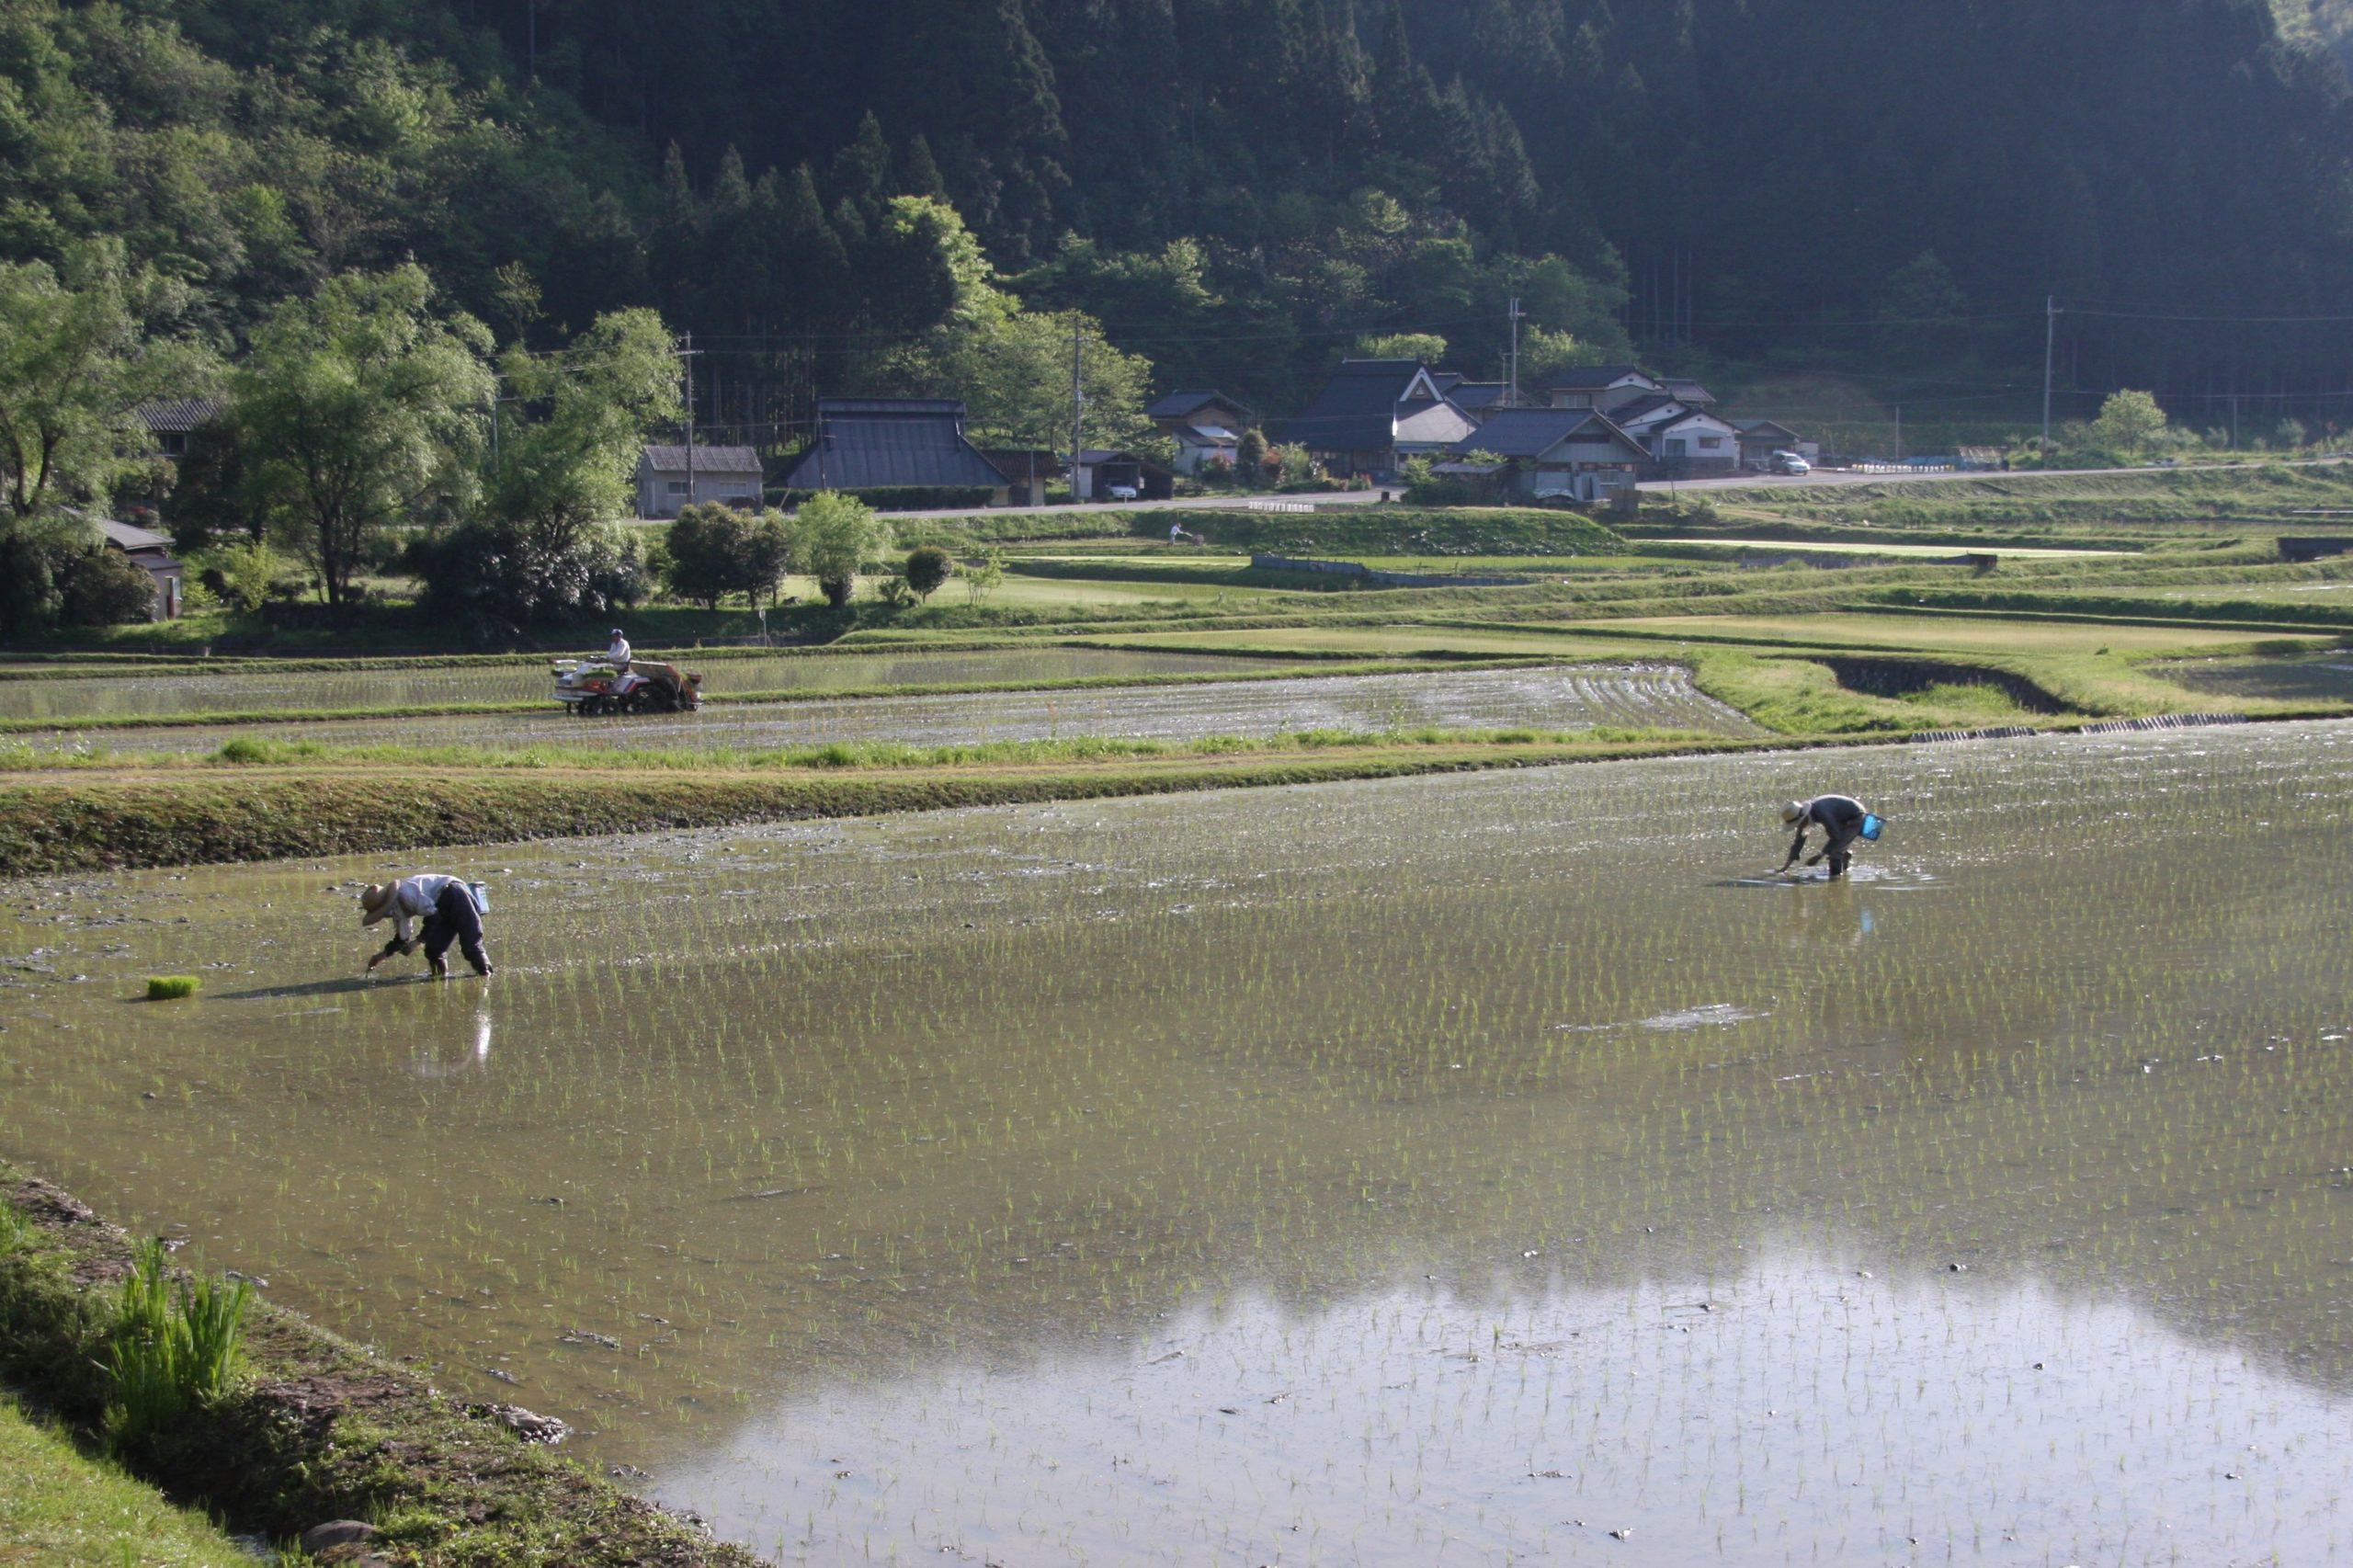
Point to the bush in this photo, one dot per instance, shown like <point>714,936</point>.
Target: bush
<point>170,987</point>
<point>101,586</point>
<point>927,569</point>
<point>834,536</point>
<point>173,1347</point>
<point>491,574</point>
<point>242,574</point>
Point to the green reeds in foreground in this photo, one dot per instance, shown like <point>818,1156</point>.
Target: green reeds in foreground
<point>174,1344</point>
<point>170,987</point>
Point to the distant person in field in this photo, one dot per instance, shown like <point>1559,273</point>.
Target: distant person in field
<point>617,652</point>
<point>1840,817</point>
<point>445,904</point>
<point>1177,534</point>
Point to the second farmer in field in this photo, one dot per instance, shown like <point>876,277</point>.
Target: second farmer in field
<point>1842,819</point>
<point>446,906</point>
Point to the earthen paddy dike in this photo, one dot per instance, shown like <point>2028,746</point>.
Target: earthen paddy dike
<point>1458,1169</point>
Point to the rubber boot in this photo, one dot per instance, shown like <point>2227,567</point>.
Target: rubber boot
<point>440,967</point>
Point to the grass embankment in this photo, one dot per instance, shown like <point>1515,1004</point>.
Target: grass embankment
<point>87,818</point>
<point>315,1430</point>
<point>61,1506</point>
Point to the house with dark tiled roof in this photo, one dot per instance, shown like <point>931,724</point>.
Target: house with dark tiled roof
<point>1373,414</point>
<point>1206,426</point>
<point>1577,454</point>
<point>895,443</point>
<point>1605,387</point>
<point>1477,399</point>
<point>170,421</point>
<point>670,479</point>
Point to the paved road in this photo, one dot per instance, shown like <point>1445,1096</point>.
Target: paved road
<point>1844,476</point>
<point>1190,502</point>
<point>1730,482</point>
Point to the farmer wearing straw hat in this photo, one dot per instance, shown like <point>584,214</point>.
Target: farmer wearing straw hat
<point>1841,819</point>
<point>446,906</point>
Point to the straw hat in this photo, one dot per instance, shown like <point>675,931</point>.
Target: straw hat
<point>1793,810</point>
<point>375,903</point>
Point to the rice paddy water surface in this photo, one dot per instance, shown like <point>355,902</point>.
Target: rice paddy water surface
<point>1555,698</point>
<point>80,695</point>
<point>1478,1169</point>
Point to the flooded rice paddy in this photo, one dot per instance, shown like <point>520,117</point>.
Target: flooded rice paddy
<point>1481,1169</point>
<point>1651,697</point>
<point>2327,677</point>
<point>335,691</point>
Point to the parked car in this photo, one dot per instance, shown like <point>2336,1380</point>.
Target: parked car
<point>1789,463</point>
<point>1121,492</point>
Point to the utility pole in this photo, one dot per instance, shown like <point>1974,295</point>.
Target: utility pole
<point>687,356</point>
<point>1511,398</point>
<point>1077,403</point>
<point>2050,342</point>
<point>2234,422</point>
<point>1899,432</point>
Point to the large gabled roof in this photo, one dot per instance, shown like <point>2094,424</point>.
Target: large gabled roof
<point>1358,408</point>
<point>1529,433</point>
<point>873,443</point>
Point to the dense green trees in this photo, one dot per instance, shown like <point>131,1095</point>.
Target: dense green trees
<point>359,408</point>
<point>1235,190</point>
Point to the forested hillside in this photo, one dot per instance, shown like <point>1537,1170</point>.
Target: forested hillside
<point>1237,189</point>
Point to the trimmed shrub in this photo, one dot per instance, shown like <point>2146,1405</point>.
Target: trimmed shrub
<point>927,569</point>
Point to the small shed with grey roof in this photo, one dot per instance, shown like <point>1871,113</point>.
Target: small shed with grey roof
<point>152,552</point>
<point>895,443</point>
<point>669,479</point>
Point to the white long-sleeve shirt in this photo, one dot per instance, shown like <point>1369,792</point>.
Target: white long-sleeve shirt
<point>414,898</point>
<point>618,651</point>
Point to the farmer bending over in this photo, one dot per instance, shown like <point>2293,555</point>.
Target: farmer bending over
<point>447,909</point>
<point>1840,817</point>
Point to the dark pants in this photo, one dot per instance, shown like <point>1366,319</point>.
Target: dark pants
<point>1838,851</point>
<point>455,920</point>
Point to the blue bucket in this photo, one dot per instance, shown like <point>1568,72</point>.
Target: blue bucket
<point>1872,825</point>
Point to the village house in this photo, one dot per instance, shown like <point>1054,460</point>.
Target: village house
<point>1606,387</point>
<point>172,421</point>
<point>1206,426</point>
<point>1576,454</point>
<point>904,444</point>
<point>152,552</point>
<point>1373,414</point>
<point>730,475</point>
